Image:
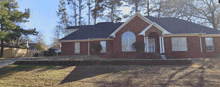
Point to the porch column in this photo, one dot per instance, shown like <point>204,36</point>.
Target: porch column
<point>200,43</point>
<point>160,45</point>
<point>163,45</point>
<point>146,43</point>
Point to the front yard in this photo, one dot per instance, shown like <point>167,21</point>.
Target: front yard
<point>203,72</point>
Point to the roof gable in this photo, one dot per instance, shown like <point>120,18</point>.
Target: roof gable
<point>137,14</point>
<point>157,26</point>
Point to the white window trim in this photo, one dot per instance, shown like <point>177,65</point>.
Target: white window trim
<point>129,46</point>
<point>179,44</point>
<point>128,43</point>
<point>102,47</point>
<point>76,49</point>
<point>212,44</point>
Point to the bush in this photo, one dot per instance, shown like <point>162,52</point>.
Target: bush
<point>97,47</point>
<point>139,46</point>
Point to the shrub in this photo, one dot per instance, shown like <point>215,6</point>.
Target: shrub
<point>139,46</point>
<point>97,47</point>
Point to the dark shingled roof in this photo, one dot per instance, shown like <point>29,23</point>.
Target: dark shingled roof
<point>104,29</point>
<point>178,26</point>
<point>100,30</point>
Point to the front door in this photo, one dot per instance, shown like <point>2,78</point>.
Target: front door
<point>151,45</point>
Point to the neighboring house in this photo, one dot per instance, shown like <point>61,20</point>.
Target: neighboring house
<point>173,37</point>
<point>32,46</point>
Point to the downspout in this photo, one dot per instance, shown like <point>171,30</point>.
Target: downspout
<point>88,47</point>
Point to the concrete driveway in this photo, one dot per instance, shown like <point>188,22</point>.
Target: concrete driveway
<point>5,62</point>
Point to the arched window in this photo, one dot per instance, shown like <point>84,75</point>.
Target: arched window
<point>127,39</point>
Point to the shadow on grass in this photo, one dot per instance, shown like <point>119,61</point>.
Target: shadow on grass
<point>83,72</point>
<point>11,69</point>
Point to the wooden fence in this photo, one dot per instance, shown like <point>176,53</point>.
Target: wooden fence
<point>17,52</point>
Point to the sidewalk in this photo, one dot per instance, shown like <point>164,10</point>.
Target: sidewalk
<point>8,61</point>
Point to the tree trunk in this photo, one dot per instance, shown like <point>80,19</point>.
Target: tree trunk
<point>148,8</point>
<point>159,12</point>
<point>2,46</point>
<point>213,20</point>
<point>75,14</point>
<point>95,13</point>
<point>80,2</point>
<point>89,12</point>
<point>136,7</point>
<point>112,13</point>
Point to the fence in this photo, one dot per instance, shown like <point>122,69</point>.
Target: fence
<point>17,52</point>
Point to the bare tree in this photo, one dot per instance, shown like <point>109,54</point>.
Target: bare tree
<point>40,42</point>
<point>209,10</point>
<point>56,43</point>
<point>205,12</point>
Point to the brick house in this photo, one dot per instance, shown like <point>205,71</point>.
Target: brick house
<point>172,37</point>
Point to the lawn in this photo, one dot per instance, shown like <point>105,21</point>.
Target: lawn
<point>203,72</point>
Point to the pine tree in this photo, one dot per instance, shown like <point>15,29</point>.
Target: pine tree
<point>73,6</point>
<point>97,11</point>
<point>80,7</point>
<point>138,5</point>
<point>89,10</point>
<point>9,16</point>
<point>64,22</point>
<point>113,13</point>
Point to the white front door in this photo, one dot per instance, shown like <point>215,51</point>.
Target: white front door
<point>151,45</point>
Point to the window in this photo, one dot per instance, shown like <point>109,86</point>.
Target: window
<point>77,47</point>
<point>209,45</point>
<point>128,38</point>
<point>103,44</point>
<point>179,44</point>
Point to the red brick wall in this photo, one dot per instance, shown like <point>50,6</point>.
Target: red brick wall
<point>216,47</point>
<point>68,48</point>
<point>136,26</point>
<point>109,50</point>
<point>194,51</point>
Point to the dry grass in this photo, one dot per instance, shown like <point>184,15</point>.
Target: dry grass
<point>203,73</point>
